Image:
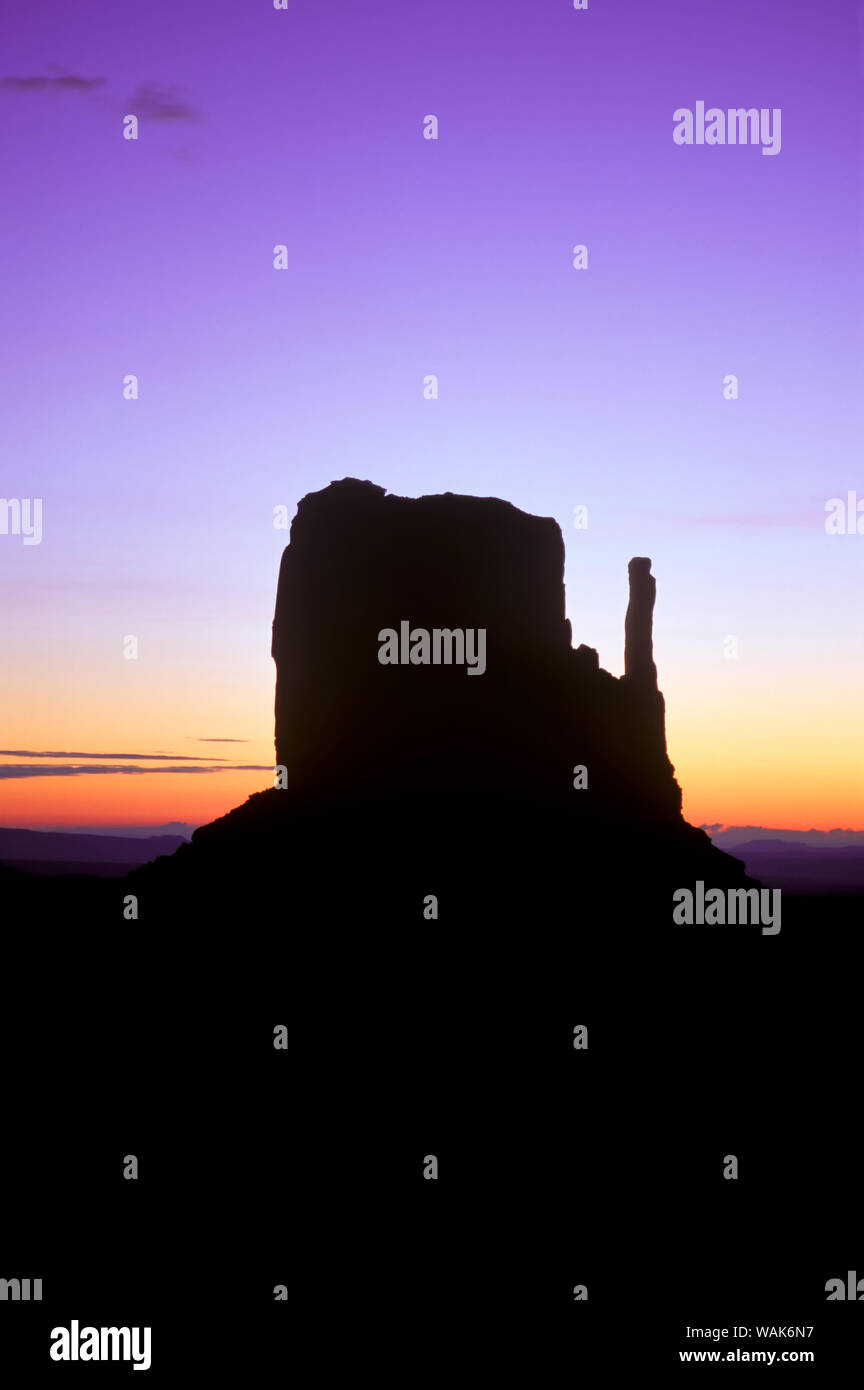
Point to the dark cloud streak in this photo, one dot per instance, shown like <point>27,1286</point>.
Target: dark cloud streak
<point>10,772</point>
<point>68,82</point>
<point>157,103</point>
<point>134,757</point>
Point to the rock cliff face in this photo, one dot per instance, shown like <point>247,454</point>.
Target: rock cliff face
<point>350,729</point>
<point>638,625</point>
<point>640,673</point>
<point>361,562</point>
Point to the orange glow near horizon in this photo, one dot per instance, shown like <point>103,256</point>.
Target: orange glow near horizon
<point>122,800</point>
<point>713,794</point>
<point>742,761</point>
<point>742,755</point>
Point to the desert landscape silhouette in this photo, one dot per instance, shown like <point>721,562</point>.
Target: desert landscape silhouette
<point>458,874</point>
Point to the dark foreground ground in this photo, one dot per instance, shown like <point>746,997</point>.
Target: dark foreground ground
<point>408,1037</point>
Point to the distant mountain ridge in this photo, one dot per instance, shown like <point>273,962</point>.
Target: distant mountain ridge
<point>52,851</point>
<point>178,828</point>
<point>798,866</point>
<point>727,836</point>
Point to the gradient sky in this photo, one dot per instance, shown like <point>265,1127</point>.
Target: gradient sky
<point>406,257</point>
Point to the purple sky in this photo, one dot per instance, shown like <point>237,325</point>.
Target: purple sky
<point>407,257</point>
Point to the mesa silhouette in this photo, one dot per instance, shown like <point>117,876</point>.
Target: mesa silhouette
<point>428,776</point>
